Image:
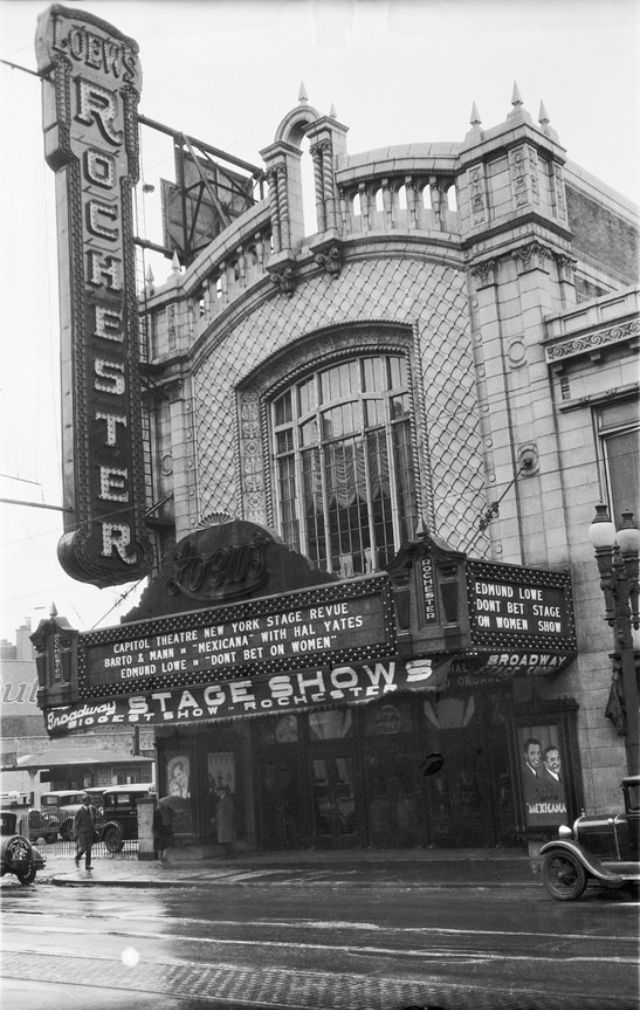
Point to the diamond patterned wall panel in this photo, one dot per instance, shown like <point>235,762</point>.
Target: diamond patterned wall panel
<point>429,297</point>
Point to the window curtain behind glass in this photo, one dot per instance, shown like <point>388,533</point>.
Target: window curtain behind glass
<point>623,458</point>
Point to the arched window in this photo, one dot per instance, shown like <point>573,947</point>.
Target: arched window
<point>345,487</point>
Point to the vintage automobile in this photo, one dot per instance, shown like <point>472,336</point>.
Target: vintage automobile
<point>604,849</point>
<point>119,815</point>
<point>58,805</point>
<point>17,854</point>
<point>42,827</point>
<point>38,827</point>
<point>63,804</point>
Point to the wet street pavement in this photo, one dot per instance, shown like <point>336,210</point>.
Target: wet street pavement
<point>311,938</point>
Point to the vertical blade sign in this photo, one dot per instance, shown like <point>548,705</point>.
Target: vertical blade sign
<point>91,88</point>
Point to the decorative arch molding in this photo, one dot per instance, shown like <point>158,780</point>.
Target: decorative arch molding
<point>326,346</point>
<point>295,124</point>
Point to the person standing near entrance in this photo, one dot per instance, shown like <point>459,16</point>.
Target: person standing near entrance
<point>84,828</point>
<point>163,828</point>
<point>225,813</point>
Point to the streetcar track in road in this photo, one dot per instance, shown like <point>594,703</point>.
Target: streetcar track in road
<point>296,924</point>
<point>442,955</point>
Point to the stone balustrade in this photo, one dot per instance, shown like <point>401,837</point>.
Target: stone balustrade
<point>399,192</point>
<point>409,188</point>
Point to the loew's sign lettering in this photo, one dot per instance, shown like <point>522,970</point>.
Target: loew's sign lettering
<point>91,86</point>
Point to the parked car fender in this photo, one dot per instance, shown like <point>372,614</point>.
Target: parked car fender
<point>591,863</point>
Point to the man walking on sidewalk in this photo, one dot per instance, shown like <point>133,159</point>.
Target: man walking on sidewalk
<point>84,826</point>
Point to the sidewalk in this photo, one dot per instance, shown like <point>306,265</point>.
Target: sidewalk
<point>362,868</point>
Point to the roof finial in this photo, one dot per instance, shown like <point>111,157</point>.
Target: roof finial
<point>54,611</point>
<point>543,115</point>
<point>332,112</point>
<point>149,285</point>
<point>516,98</point>
<point>302,94</point>
<point>475,116</point>
<point>175,263</point>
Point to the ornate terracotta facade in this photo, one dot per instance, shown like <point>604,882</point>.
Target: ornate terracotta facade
<point>468,260</point>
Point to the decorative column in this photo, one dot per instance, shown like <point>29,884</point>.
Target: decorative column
<point>287,224</point>
<point>327,140</point>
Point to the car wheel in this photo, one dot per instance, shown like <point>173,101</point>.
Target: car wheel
<point>66,830</point>
<point>19,859</point>
<point>564,876</point>
<point>28,874</point>
<point>113,839</point>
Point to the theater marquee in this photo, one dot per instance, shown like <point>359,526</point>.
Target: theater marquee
<point>528,609</point>
<point>316,644</point>
<point>337,624</point>
<point>296,691</point>
<point>91,86</point>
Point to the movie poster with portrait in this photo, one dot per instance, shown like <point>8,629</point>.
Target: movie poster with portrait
<point>542,775</point>
<point>178,772</point>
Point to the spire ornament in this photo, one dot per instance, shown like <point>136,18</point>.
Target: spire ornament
<point>150,288</point>
<point>516,97</point>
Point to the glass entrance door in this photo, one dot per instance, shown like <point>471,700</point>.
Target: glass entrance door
<point>470,801</point>
<point>334,803</point>
<point>393,795</point>
<point>282,817</point>
<point>460,802</point>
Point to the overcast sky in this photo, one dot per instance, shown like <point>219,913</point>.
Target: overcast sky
<point>397,71</point>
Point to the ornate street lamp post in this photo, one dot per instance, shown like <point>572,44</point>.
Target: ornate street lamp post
<point>617,558</point>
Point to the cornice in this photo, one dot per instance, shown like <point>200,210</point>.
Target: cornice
<point>546,228</point>
<point>594,342</point>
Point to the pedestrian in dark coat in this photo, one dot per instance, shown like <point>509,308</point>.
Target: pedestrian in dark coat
<point>225,815</point>
<point>162,828</point>
<point>84,829</point>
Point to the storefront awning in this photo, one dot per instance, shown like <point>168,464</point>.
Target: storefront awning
<point>44,759</point>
